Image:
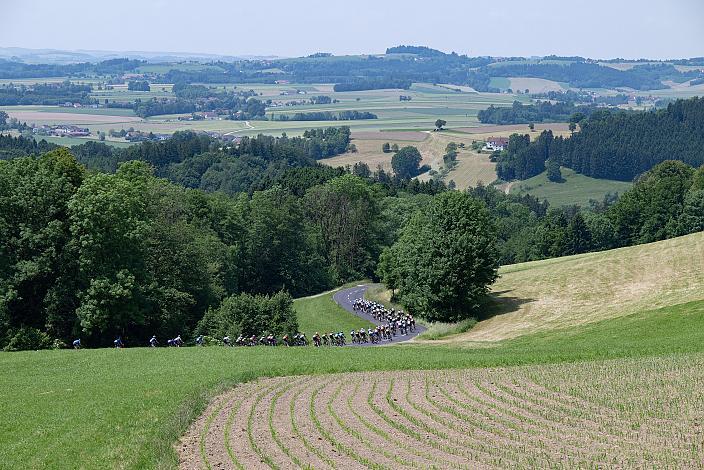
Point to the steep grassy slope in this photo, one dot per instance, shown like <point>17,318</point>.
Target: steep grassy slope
<point>574,290</point>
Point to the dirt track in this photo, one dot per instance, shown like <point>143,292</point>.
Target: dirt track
<point>491,418</point>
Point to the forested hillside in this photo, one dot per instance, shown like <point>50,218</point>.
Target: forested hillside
<point>583,74</point>
<point>127,253</point>
<point>398,68</point>
<point>614,145</point>
<point>199,161</point>
<point>123,252</point>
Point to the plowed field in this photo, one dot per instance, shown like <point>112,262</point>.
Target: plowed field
<point>622,413</point>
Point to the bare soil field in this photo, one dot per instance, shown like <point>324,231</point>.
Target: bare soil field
<point>606,414</point>
<point>69,118</point>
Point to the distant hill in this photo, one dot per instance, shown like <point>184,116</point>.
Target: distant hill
<point>59,56</point>
<point>417,50</point>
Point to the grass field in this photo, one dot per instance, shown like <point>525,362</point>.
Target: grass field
<point>125,408</point>
<point>576,189</point>
<point>317,313</point>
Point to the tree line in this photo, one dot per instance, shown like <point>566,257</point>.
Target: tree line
<point>613,145</point>
<point>665,202</point>
<point>45,94</point>
<point>327,116</point>
<point>235,105</point>
<point>10,69</point>
<point>591,75</point>
<point>541,111</point>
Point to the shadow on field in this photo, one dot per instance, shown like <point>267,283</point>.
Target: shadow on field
<point>499,303</point>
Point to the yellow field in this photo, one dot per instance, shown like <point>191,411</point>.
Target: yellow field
<point>369,152</point>
<point>575,290</point>
<point>472,167</point>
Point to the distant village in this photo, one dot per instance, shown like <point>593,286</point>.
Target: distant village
<point>63,130</point>
<point>131,135</point>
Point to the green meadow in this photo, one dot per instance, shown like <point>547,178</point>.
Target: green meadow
<point>127,408</point>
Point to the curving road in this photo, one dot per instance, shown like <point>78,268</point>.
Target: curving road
<point>345,298</point>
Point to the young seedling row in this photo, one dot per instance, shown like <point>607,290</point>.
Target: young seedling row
<point>624,413</point>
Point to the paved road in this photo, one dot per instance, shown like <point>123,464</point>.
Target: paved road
<point>345,299</point>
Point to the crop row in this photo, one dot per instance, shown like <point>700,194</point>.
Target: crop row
<point>521,417</point>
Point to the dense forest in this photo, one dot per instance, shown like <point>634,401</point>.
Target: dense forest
<point>665,202</point>
<point>13,70</point>
<point>613,145</point>
<point>101,254</point>
<point>45,94</point>
<point>591,75</point>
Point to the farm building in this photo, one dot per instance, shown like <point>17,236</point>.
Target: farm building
<point>62,131</point>
<point>496,143</point>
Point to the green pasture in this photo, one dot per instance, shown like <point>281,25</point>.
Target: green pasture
<point>126,408</point>
<point>319,314</point>
<point>576,188</point>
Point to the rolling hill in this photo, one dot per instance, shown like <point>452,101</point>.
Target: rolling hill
<point>577,290</point>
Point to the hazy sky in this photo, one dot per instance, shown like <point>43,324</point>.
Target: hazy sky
<point>593,28</point>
